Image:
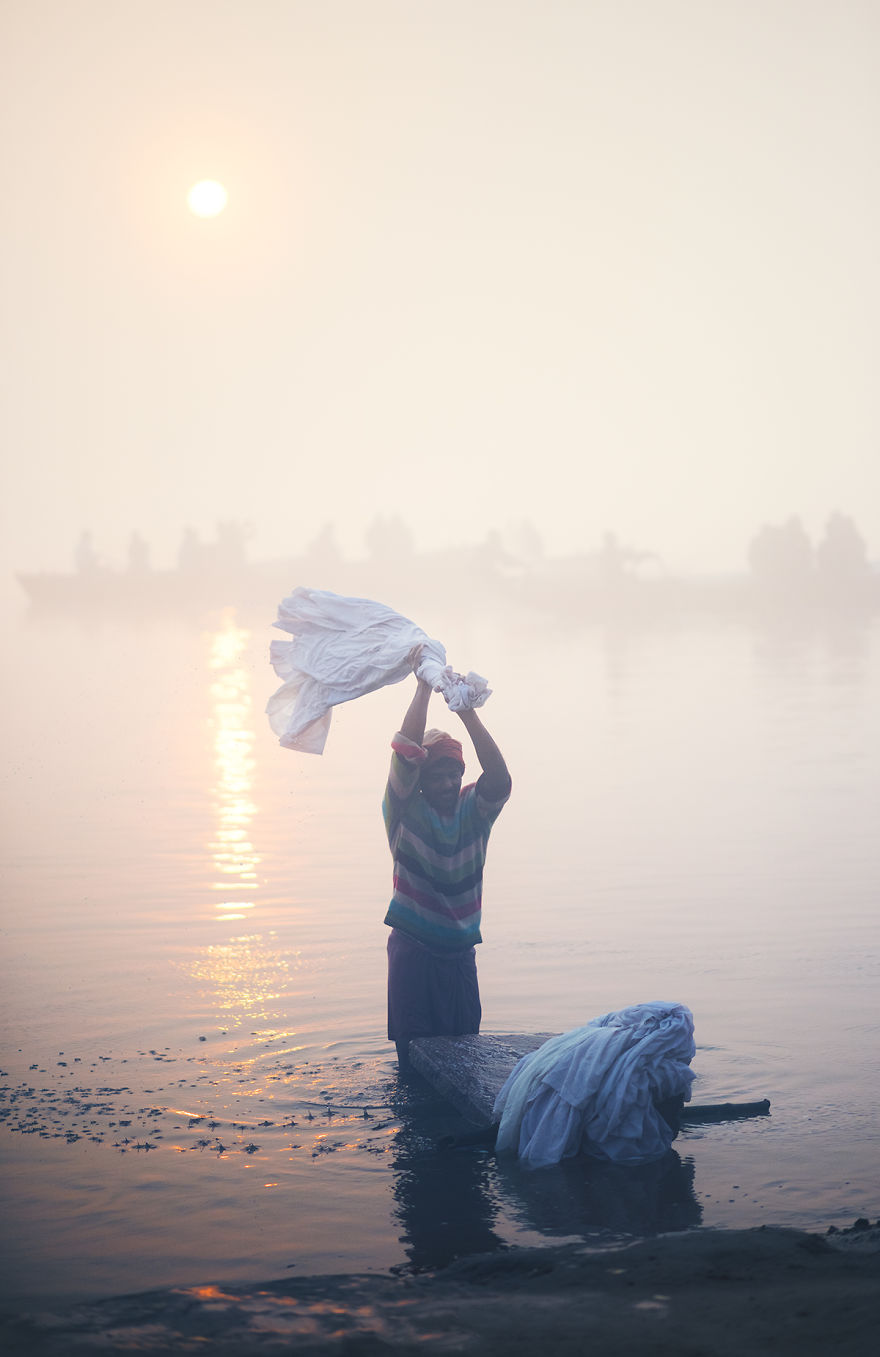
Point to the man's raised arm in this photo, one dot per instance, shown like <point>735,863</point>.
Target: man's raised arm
<point>496,778</point>
<point>414,722</point>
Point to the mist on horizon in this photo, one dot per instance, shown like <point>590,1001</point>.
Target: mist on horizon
<point>599,268</point>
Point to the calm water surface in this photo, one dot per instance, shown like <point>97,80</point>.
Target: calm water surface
<point>196,1082</point>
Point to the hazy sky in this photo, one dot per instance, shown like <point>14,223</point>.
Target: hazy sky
<point>605,264</point>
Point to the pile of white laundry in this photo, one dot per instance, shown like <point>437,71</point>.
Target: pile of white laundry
<point>594,1090</point>
<point>342,649</point>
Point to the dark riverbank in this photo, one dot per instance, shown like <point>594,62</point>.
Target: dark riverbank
<point>705,1292</point>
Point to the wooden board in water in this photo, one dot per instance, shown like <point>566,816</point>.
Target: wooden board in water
<point>469,1071</point>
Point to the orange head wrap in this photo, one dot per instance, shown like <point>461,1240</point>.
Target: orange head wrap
<point>438,745</point>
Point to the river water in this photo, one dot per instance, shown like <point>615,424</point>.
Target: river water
<point>196,1084</point>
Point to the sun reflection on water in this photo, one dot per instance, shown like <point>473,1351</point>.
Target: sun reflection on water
<point>244,975</point>
<point>234,858</point>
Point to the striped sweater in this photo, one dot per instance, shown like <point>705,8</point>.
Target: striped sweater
<point>438,860</point>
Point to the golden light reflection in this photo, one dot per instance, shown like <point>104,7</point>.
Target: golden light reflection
<point>244,975</point>
<point>206,1293</point>
<point>234,858</point>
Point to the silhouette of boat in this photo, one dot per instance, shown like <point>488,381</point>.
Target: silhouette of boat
<point>154,591</point>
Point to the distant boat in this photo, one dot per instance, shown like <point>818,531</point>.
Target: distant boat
<point>100,590</point>
<point>557,589</point>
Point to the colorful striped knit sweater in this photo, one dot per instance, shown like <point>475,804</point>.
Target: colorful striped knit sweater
<point>438,860</point>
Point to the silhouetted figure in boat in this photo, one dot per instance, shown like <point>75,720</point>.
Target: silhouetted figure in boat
<point>438,832</point>
<point>525,543</point>
<point>781,561</point>
<point>138,555</point>
<point>842,560</point>
<point>86,559</point>
<point>190,554</point>
<point>323,550</point>
<point>389,540</point>
<point>229,550</point>
<point>616,561</point>
<point>491,557</point>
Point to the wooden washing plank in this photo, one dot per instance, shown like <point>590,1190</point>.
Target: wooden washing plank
<point>469,1071</point>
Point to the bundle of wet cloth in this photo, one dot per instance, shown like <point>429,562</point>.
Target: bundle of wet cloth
<point>595,1090</point>
<point>343,648</point>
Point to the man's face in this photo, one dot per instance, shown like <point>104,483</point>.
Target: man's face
<point>440,781</point>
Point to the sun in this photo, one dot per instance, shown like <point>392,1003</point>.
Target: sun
<point>207,198</point>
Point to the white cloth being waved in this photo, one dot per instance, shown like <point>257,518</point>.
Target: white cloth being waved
<point>342,649</point>
<point>593,1090</point>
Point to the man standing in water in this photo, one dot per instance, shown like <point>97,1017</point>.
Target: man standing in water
<point>438,832</point>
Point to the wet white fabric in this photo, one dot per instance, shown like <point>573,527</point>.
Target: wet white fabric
<point>593,1090</point>
<point>343,648</point>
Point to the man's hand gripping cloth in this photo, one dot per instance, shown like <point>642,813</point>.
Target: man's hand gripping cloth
<point>593,1090</point>
<point>342,649</point>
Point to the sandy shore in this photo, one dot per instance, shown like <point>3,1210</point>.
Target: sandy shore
<point>693,1294</point>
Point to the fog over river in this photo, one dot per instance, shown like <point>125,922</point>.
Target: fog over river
<point>196,1081</point>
